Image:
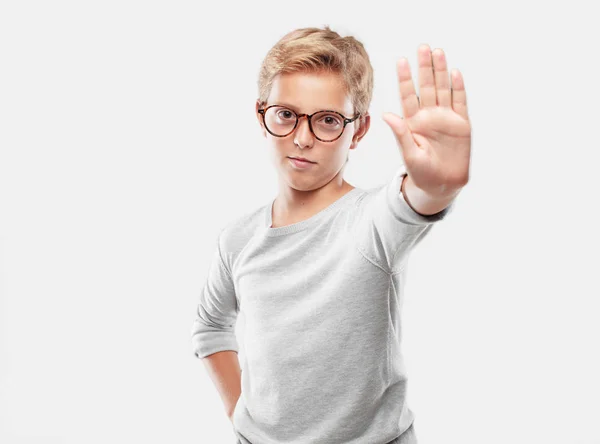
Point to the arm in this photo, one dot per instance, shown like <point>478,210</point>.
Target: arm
<point>224,371</point>
<point>386,228</point>
<point>213,331</point>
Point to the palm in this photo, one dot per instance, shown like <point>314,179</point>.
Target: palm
<point>435,135</point>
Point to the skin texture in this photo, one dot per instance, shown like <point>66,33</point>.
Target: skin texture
<point>224,370</point>
<point>434,137</point>
<point>303,193</point>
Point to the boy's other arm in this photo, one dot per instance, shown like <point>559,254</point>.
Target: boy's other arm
<point>213,330</point>
<point>224,370</point>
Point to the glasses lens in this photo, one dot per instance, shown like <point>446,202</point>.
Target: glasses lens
<point>327,125</point>
<point>279,120</point>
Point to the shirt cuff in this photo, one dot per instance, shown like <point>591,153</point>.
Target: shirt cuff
<point>207,342</point>
<point>403,211</point>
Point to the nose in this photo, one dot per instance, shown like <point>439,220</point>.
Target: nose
<point>303,137</point>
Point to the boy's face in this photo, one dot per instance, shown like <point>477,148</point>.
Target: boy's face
<point>309,93</point>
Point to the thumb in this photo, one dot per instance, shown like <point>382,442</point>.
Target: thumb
<point>401,132</point>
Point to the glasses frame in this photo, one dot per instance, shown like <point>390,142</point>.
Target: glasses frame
<point>346,120</point>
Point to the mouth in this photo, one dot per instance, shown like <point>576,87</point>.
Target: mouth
<point>300,159</point>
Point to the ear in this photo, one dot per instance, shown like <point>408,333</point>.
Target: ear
<point>364,124</point>
<point>260,119</point>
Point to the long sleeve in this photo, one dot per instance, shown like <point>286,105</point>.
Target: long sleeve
<point>213,328</point>
<point>388,228</point>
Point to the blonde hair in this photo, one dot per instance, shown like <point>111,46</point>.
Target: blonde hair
<point>317,50</point>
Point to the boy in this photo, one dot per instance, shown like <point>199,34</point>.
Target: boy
<point>319,271</point>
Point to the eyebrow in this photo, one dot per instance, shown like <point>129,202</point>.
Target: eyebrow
<point>287,105</point>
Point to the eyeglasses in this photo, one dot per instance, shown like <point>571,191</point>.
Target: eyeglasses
<point>326,125</point>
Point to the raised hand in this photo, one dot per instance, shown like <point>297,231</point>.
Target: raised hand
<point>434,136</point>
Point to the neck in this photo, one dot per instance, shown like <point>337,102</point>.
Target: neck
<point>292,205</point>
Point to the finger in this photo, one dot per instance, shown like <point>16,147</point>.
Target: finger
<point>426,79</point>
<point>408,96</point>
<point>406,143</point>
<point>459,95</point>
<point>442,82</point>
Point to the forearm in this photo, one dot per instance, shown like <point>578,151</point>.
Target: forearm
<point>421,202</point>
<point>224,370</point>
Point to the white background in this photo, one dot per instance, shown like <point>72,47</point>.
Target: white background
<point>119,167</point>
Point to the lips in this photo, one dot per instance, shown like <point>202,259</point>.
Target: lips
<point>301,159</point>
<point>301,164</point>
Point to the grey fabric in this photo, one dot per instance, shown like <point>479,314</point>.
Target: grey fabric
<point>321,301</point>
<point>408,437</point>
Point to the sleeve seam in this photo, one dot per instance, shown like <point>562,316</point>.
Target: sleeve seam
<point>373,261</point>
<point>221,256</point>
<point>237,301</point>
<point>354,237</point>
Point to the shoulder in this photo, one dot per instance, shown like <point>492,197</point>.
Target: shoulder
<point>236,234</point>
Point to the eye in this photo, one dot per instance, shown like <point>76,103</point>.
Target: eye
<point>285,114</point>
<point>329,120</point>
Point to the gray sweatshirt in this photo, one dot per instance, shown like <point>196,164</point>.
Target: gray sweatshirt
<point>321,300</point>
